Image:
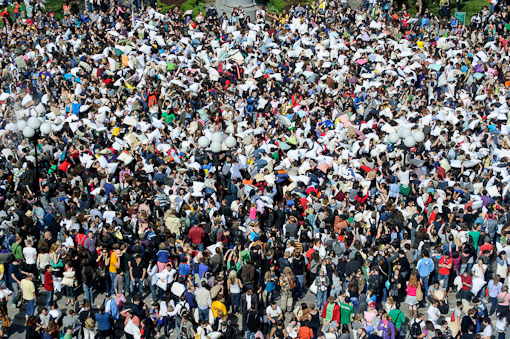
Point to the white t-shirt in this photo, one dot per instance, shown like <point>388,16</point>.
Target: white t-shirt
<point>274,313</point>
<point>108,216</point>
<point>487,331</point>
<point>132,329</point>
<point>69,242</point>
<point>433,314</point>
<point>248,301</point>
<point>477,271</point>
<point>30,255</point>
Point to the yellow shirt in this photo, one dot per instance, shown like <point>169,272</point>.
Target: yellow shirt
<point>28,289</point>
<point>113,261</point>
<point>216,306</point>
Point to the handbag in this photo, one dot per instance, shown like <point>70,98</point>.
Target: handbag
<point>502,300</point>
<point>405,189</point>
<point>56,265</point>
<point>419,293</point>
<point>313,289</point>
<point>101,272</point>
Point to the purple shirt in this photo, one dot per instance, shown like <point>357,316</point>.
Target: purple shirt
<point>90,244</point>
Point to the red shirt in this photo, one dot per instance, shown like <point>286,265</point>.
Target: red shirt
<point>196,234</point>
<point>80,239</point>
<point>486,247</point>
<point>466,280</point>
<point>442,261</point>
<point>48,281</point>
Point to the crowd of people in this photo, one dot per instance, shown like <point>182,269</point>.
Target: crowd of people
<point>326,172</point>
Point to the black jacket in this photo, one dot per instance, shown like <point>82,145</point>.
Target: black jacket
<point>254,302</point>
<point>253,321</point>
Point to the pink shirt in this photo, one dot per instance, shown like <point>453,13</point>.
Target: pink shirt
<point>411,291</point>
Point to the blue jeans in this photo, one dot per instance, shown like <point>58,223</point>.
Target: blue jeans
<point>250,334</point>
<point>300,279</point>
<point>140,287</point>
<point>494,305</point>
<point>112,280</point>
<point>425,281</point>
<point>235,301</point>
<point>445,278</point>
<point>15,293</point>
<point>30,307</point>
<point>321,298</point>
<point>89,293</point>
<point>203,314</point>
<point>49,298</point>
<point>127,283</point>
<point>154,292</point>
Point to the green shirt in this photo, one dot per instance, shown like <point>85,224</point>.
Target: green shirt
<point>169,117</point>
<point>345,314</point>
<point>475,235</point>
<point>398,317</point>
<point>245,255</point>
<point>17,251</point>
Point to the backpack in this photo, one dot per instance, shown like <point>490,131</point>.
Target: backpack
<point>305,332</point>
<point>292,283</point>
<point>278,333</point>
<point>89,323</point>
<point>415,330</point>
<point>338,249</point>
<point>184,310</point>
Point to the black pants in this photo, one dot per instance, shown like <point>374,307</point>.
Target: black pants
<point>103,334</point>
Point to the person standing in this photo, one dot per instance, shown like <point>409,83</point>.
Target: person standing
<point>445,267</point>
<point>252,322</point>
<point>88,276</point>
<point>249,301</point>
<point>15,280</point>
<point>48,285</point>
<point>138,272</point>
<point>425,267</point>
<point>114,266</point>
<point>104,323</point>
<point>87,319</point>
<point>287,283</point>
<point>322,283</point>
<point>204,301</point>
<point>30,257</point>
<point>494,287</point>
<point>28,289</point>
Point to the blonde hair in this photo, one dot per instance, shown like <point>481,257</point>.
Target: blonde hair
<point>232,276</point>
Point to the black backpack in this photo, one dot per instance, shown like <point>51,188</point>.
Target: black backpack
<point>278,333</point>
<point>415,330</point>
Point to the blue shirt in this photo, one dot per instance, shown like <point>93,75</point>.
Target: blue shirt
<point>108,188</point>
<point>14,269</point>
<point>202,269</point>
<point>184,269</point>
<point>190,298</point>
<point>163,256</point>
<point>425,267</point>
<point>103,321</point>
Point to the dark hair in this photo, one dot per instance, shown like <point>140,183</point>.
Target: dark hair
<point>31,321</point>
